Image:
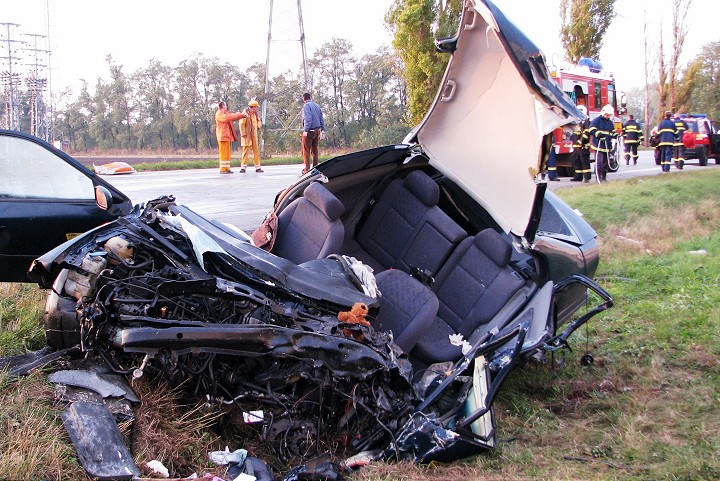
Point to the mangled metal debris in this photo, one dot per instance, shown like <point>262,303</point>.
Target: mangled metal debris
<point>98,443</point>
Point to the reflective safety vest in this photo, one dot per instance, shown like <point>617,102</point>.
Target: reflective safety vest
<point>667,131</point>
<point>681,127</point>
<point>602,131</point>
<point>579,137</point>
<point>632,134</point>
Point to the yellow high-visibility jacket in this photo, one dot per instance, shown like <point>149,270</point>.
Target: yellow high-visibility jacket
<point>224,128</point>
<point>249,128</point>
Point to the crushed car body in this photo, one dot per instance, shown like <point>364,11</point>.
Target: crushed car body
<point>253,332</point>
<point>403,283</point>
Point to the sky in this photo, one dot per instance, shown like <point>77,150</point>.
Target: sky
<point>81,33</point>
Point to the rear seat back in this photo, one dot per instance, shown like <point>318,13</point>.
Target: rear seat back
<point>472,287</point>
<point>407,229</point>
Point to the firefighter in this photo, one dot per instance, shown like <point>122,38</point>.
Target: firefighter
<point>581,152</point>
<point>249,128</point>
<point>632,135</point>
<point>679,148</point>
<point>226,135</point>
<point>667,131</point>
<point>552,165</point>
<point>602,132</point>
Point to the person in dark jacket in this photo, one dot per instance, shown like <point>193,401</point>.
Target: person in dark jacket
<point>581,149</point>
<point>667,131</point>
<point>313,126</point>
<point>679,147</point>
<point>602,132</point>
<point>632,136</point>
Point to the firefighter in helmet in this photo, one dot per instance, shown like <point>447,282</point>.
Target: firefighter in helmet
<point>679,148</point>
<point>581,152</point>
<point>602,132</point>
<point>632,136</point>
<point>667,131</point>
<point>249,128</point>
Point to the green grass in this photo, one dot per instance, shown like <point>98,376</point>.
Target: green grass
<point>647,409</point>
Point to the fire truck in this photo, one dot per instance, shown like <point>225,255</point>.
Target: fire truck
<point>586,84</point>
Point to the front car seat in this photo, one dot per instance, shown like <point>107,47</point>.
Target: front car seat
<point>310,227</point>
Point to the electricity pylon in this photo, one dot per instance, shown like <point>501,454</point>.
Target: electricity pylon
<point>10,79</point>
<point>288,35</point>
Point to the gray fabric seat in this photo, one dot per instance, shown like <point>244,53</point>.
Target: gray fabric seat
<point>310,227</point>
<point>474,285</point>
<point>407,307</point>
<point>406,228</point>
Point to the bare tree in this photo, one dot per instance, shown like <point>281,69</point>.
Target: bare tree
<point>667,86</point>
<point>679,31</point>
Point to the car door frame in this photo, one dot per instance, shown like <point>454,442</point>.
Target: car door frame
<point>33,224</point>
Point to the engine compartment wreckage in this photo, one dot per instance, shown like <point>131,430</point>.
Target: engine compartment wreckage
<point>165,292</point>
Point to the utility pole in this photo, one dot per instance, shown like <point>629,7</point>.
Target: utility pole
<point>36,84</point>
<point>9,78</point>
<point>285,18</point>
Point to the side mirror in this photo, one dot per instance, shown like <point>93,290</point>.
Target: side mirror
<point>623,100</point>
<point>103,198</point>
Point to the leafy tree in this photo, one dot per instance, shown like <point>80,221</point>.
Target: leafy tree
<point>700,87</point>
<point>120,108</point>
<point>190,116</point>
<point>154,86</point>
<point>416,24</point>
<point>377,101</point>
<point>73,123</point>
<point>332,66</point>
<point>584,24</point>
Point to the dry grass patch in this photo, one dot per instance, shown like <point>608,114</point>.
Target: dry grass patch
<point>175,434</point>
<point>660,233</point>
<point>33,441</point>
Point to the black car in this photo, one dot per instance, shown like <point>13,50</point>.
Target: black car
<point>388,295</point>
<point>46,198</point>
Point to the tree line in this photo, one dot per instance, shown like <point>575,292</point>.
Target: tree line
<point>172,107</point>
<point>367,101</point>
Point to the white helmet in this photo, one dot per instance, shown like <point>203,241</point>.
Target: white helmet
<point>608,110</point>
<point>582,109</point>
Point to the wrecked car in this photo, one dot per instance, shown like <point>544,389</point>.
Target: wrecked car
<point>392,290</point>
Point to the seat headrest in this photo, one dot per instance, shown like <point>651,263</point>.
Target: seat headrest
<point>324,200</point>
<point>423,187</point>
<point>494,246</point>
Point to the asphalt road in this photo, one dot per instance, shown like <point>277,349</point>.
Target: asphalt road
<point>239,199</point>
<point>645,166</point>
<point>244,199</point>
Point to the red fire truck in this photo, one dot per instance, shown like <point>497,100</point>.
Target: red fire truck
<point>586,84</point>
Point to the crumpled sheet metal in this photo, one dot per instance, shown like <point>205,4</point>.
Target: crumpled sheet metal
<point>107,385</point>
<point>98,442</point>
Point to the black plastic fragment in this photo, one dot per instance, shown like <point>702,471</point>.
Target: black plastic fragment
<point>98,442</point>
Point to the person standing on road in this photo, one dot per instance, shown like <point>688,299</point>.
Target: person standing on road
<point>581,152</point>
<point>632,135</point>
<point>679,147</point>
<point>313,131</point>
<point>602,132</point>
<point>226,135</point>
<point>249,128</point>
<point>666,131</point>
